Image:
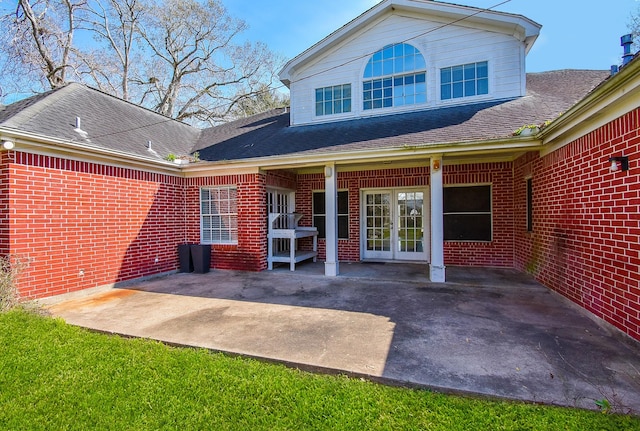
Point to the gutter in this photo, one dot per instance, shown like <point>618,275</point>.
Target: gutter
<point>44,145</point>
<point>612,89</point>
<point>408,152</point>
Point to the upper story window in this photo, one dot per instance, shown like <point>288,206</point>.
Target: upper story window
<point>333,100</point>
<point>464,80</point>
<point>394,76</point>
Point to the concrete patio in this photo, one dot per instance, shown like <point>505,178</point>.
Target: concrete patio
<point>493,332</point>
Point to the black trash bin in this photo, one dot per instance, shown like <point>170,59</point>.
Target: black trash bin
<point>201,256</point>
<point>184,255</point>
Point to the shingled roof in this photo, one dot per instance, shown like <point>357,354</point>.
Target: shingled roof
<point>268,134</point>
<point>106,122</point>
<point>111,123</point>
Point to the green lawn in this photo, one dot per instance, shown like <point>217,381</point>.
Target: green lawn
<point>57,377</point>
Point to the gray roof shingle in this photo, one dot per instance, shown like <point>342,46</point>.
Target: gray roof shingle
<point>268,134</point>
<point>109,122</point>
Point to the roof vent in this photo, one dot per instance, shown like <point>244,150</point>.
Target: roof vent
<point>78,129</point>
<point>626,41</point>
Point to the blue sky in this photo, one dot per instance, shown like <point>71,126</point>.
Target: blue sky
<point>576,34</point>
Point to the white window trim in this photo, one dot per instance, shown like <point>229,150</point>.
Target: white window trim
<point>340,115</point>
<point>234,239</point>
<point>437,97</point>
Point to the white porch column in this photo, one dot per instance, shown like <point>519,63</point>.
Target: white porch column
<point>331,217</point>
<point>437,268</point>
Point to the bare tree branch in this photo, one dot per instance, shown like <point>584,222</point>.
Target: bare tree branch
<point>181,58</point>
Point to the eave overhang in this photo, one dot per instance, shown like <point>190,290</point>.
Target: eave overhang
<point>452,152</point>
<point>518,26</point>
<point>43,145</point>
<point>462,152</point>
<point>613,98</point>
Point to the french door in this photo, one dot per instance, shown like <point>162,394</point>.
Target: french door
<point>394,224</point>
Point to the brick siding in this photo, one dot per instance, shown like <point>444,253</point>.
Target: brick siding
<point>498,252</point>
<point>82,225</point>
<point>585,242</point>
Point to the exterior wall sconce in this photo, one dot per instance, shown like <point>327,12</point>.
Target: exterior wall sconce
<point>8,145</point>
<point>619,163</point>
<point>328,171</point>
<point>436,164</point>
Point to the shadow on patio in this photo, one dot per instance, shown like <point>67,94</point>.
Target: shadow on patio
<point>487,331</point>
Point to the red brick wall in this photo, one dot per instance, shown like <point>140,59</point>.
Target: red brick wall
<point>250,253</point>
<point>282,179</point>
<point>4,202</point>
<point>585,242</point>
<point>81,225</point>
<point>498,252</point>
<point>349,250</point>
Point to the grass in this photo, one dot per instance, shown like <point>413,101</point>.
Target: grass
<point>56,376</point>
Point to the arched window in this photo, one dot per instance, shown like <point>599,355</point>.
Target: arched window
<point>394,76</point>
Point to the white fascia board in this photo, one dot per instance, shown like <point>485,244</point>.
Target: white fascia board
<point>43,145</point>
<point>615,97</point>
<point>520,27</point>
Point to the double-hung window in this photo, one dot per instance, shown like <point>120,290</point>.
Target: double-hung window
<point>320,216</point>
<point>219,215</point>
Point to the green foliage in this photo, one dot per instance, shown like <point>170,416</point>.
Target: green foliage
<point>604,405</point>
<point>57,376</point>
<point>170,157</point>
<point>533,128</point>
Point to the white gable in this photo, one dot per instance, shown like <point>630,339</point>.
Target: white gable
<point>446,36</point>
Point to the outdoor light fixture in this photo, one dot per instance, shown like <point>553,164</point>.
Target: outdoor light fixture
<point>436,164</point>
<point>8,145</point>
<point>619,163</point>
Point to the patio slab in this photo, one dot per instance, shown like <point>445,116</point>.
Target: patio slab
<point>493,332</point>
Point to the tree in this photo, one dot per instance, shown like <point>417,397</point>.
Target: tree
<point>38,43</point>
<point>114,24</point>
<point>634,28</point>
<point>177,57</point>
<point>200,69</point>
<point>264,99</point>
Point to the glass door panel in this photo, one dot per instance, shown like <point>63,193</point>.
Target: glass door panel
<point>378,225</point>
<point>394,224</point>
<point>410,243</point>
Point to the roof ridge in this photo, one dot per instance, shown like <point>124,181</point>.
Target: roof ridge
<point>24,107</point>
<point>128,102</point>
